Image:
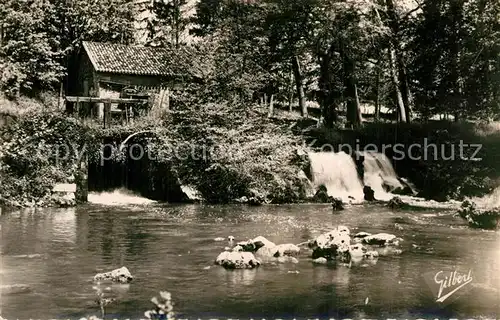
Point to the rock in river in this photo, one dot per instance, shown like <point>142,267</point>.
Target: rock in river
<point>121,275</point>
<point>333,244</point>
<point>396,203</point>
<point>369,194</point>
<point>286,250</point>
<point>268,251</point>
<point>320,261</point>
<point>237,260</point>
<point>381,239</point>
<point>479,218</point>
<point>337,204</point>
<point>358,237</point>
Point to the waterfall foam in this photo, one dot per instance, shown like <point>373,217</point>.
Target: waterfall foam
<point>118,197</point>
<point>379,174</point>
<point>337,172</point>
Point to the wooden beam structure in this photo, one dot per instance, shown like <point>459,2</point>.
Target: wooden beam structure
<point>107,105</point>
<point>104,100</point>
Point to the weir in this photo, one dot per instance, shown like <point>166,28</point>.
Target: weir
<point>339,173</point>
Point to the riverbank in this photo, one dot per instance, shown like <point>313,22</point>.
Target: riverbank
<point>221,153</point>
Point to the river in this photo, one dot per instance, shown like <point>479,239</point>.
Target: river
<point>49,256</point>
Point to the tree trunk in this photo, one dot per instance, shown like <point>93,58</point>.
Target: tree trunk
<point>290,94</point>
<point>353,108</point>
<point>405,88</point>
<point>359,114</point>
<point>398,66</point>
<point>328,97</point>
<point>300,86</point>
<point>395,81</point>
<point>271,106</point>
<point>377,96</point>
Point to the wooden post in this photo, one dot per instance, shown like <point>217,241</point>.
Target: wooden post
<point>131,115</point>
<point>107,113</point>
<point>167,102</point>
<point>78,107</point>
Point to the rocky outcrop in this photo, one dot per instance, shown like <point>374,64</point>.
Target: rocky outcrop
<point>358,237</point>
<point>253,245</point>
<point>337,204</point>
<point>479,218</point>
<point>268,251</point>
<point>396,203</point>
<point>189,193</point>
<point>64,195</point>
<point>369,194</point>
<point>121,275</point>
<point>362,248</point>
<point>286,250</point>
<point>320,261</point>
<point>237,260</point>
<point>321,195</point>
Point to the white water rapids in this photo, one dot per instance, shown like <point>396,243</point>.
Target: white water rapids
<point>338,173</point>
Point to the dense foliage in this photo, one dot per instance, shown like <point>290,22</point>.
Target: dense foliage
<point>232,152</point>
<point>40,40</point>
<point>416,59</point>
<point>38,150</point>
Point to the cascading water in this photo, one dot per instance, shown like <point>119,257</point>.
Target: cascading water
<point>379,174</point>
<point>337,172</point>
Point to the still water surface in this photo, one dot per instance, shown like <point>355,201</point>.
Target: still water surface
<point>48,259</point>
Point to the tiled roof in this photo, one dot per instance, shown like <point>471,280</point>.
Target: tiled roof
<point>135,60</point>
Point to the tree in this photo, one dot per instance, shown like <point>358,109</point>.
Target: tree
<point>168,24</point>
<point>30,60</point>
<point>41,38</point>
<point>456,47</point>
<point>69,22</point>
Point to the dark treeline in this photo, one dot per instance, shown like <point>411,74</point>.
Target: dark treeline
<point>417,58</point>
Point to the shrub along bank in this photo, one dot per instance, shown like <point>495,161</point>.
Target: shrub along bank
<point>32,159</point>
<point>228,152</point>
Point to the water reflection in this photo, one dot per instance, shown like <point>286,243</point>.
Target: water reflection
<point>237,278</point>
<point>57,252</point>
<point>64,226</point>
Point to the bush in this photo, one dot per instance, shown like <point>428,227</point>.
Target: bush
<point>34,157</point>
<point>479,218</point>
<point>237,153</point>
